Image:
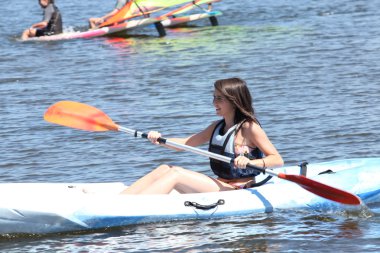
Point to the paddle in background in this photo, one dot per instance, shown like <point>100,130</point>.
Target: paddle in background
<point>85,117</point>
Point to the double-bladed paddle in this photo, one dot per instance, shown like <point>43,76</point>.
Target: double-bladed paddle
<point>86,117</point>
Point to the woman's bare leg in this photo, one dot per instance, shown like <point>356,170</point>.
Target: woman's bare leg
<point>165,178</point>
<point>147,180</point>
<point>28,33</point>
<point>94,22</point>
<point>91,23</point>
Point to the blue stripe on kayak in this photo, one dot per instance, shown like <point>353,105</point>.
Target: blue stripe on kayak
<point>268,206</point>
<point>368,195</point>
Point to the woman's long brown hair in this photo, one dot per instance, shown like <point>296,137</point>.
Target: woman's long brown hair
<point>237,92</point>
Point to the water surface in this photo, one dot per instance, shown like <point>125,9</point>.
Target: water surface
<point>313,68</point>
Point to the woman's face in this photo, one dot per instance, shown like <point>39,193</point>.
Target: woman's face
<point>222,105</point>
<point>44,3</point>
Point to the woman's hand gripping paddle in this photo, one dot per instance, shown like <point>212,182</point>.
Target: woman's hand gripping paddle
<point>88,118</point>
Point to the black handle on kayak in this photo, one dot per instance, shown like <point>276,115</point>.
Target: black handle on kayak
<point>204,207</point>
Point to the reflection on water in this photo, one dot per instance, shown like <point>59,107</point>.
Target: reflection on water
<point>261,232</point>
<point>350,229</point>
<point>123,45</point>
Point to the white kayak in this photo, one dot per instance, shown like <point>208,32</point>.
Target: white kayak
<point>39,208</point>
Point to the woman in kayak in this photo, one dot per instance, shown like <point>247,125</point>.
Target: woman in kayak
<point>51,23</point>
<point>238,135</point>
<point>95,22</point>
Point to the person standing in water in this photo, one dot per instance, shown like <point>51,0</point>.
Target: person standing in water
<point>51,23</point>
<point>237,135</point>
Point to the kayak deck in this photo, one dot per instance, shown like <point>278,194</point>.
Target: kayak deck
<point>40,208</point>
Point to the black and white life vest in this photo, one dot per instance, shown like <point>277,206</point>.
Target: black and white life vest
<point>55,23</point>
<point>223,144</point>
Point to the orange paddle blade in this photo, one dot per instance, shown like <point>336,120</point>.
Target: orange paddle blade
<point>80,116</point>
<point>323,190</point>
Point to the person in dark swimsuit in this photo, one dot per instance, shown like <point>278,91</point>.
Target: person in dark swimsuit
<point>238,135</point>
<point>51,23</point>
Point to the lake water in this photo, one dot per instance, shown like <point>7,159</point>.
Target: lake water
<point>313,68</point>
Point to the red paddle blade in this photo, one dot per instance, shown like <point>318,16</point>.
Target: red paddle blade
<point>80,116</point>
<point>323,190</point>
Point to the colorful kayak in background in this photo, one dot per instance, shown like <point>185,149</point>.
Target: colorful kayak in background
<point>40,208</point>
<point>124,22</point>
<point>181,20</point>
<point>98,32</point>
<point>137,8</point>
<point>178,18</point>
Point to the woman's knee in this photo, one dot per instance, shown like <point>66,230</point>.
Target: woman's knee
<point>168,169</point>
<point>178,172</point>
<point>164,168</point>
<point>173,172</point>
<point>32,32</point>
